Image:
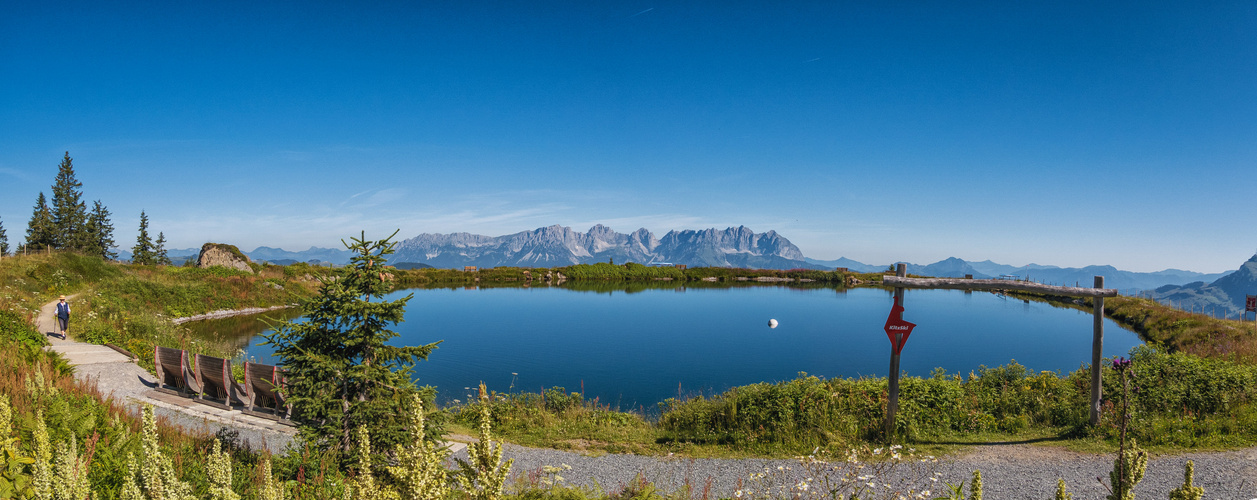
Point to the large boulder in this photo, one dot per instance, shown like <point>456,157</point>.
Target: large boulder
<point>224,255</point>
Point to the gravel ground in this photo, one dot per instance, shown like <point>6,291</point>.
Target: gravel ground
<point>1015,471</point>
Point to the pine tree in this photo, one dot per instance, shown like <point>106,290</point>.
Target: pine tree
<point>159,251</point>
<point>342,374</point>
<point>142,252</point>
<point>4,241</point>
<point>69,214</point>
<point>100,233</point>
<point>40,233</point>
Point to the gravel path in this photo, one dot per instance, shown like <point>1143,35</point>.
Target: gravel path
<point>1013,471</point>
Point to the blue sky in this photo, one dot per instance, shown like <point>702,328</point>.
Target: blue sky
<point>1064,133</point>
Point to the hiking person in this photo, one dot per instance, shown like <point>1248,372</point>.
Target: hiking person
<point>63,315</point>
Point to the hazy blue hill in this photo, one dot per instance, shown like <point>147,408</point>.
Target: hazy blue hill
<point>853,265</point>
<point>1226,293</point>
<point>177,255</point>
<point>951,267</point>
<point>989,268</point>
<point>1127,281</point>
<point>273,255</point>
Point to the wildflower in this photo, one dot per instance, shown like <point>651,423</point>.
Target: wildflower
<point>1121,364</point>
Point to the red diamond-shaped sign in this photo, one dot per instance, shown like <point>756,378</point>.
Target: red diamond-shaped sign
<point>898,330</point>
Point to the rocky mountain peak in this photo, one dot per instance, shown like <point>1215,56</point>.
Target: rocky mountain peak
<point>559,245</point>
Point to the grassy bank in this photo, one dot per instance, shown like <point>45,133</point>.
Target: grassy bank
<point>1183,402</point>
<point>1181,331</point>
<point>131,306</point>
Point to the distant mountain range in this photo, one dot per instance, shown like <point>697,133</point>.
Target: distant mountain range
<point>555,246</point>
<point>1223,294</point>
<point>177,255</point>
<point>313,255</point>
<point>561,246</point>
<point>1126,281</point>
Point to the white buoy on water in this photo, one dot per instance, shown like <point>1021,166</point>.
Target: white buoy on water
<point>772,323</point>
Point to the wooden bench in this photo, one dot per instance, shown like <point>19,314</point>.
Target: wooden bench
<point>262,398</point>
<point>173,374</point>
<point>218,387</point>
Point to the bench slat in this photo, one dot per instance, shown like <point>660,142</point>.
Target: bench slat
<point>261,382</point>
<point>217,385</point>
<point>173,370</point>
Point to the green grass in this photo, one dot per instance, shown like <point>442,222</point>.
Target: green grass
<point>1182,402</point>
<point>131,306</point>
<point>561,420</point>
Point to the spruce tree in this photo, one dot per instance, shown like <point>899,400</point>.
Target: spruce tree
<point>142,252</point>
<point>4,241</point>
<point>100,233</point>
<point>40,233</point>
<point>69,214</point>
<point>342,374</point>
<point>159,250</point>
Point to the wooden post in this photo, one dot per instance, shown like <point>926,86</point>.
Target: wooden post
<point>901,270</point>
<point>1097,352</point>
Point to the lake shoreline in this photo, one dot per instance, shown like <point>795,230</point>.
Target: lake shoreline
<point>227,313</point>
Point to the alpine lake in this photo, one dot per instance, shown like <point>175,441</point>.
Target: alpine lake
<point>632,345</point>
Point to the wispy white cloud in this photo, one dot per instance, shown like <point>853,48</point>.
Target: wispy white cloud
<point>642,12</point>
<point>13,172</point>
<point>374,198</point>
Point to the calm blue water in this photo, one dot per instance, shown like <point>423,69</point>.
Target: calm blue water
<point>635,349</point>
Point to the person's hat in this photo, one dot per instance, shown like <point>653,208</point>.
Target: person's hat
<point>63,297</point>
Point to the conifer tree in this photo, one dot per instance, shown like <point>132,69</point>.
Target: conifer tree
<point>342,374</point>
<point>159,251</point>
<point>40,233</point>
<point>142,253</point>
<point>4,241</point>
<point>100,233</point>
<point>69,214</point>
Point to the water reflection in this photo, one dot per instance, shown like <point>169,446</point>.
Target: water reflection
<point>237,333</point>
<point>634,344</point>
